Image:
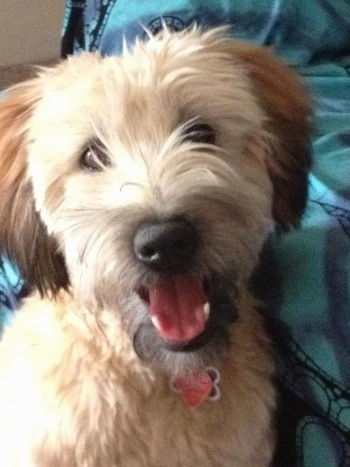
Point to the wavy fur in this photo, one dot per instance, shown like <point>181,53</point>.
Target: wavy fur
<point>73,390</point>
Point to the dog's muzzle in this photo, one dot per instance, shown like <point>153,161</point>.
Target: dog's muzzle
<point>182,305</point>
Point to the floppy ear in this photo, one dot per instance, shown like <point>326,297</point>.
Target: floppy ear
<point>23,236</point>
<point>288,107</point>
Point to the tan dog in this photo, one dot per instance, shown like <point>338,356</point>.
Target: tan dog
<point>136,195</point>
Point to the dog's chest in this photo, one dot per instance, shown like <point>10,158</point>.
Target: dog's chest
<point>157,426</point>
<point>165,430</point>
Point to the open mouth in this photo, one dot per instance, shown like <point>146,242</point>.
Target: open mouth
<point>179,308</point>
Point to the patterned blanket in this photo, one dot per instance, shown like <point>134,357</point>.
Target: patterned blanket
<point>305,274</point>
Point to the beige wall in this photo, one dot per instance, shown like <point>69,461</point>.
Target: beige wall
<point>30,30</point>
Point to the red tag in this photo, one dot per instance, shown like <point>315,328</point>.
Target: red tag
<point>194,387</point>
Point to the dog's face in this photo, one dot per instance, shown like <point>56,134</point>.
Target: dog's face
<point>149,182</point>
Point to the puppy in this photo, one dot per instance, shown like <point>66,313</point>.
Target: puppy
<point>136,195</point>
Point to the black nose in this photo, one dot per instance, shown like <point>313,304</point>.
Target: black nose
<point>166,246</point>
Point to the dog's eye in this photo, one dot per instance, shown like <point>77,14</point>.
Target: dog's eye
<point>94,159</point>
<point>200,132</point>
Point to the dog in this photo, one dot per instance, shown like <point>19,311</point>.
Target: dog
<point>137,193</point>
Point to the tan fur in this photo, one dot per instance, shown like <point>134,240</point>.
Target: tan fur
<point>22,231</point>
<point>107,409</point>
<point>73,392</point>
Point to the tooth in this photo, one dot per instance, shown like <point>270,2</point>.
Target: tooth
<point>155,322</point>
<point>206,310</point>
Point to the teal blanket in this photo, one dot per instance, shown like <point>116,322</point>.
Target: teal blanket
<point>307,288</point>
<point>305,274</point>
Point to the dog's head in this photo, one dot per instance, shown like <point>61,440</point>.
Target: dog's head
<point>149,182</point>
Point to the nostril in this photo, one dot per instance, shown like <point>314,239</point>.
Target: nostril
<point>148,252</point>
<point>166,245</point>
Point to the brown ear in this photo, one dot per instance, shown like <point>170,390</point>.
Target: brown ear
<point>23,236</point>
<point>288,107</point>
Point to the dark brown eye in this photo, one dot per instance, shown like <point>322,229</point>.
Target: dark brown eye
<point>199,132</point>
<point>94,159</point>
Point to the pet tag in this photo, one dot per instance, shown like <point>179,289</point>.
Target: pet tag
<point>197,386</point>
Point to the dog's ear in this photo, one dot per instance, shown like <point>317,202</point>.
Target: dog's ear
<point>288,108</point>
<point>23,236</point>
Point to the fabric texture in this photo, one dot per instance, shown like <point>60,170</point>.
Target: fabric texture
<point>305,274</point>
<point>303,32</point>
<point>11,287</point>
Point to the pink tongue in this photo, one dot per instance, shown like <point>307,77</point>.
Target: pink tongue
<point>176,308</point>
